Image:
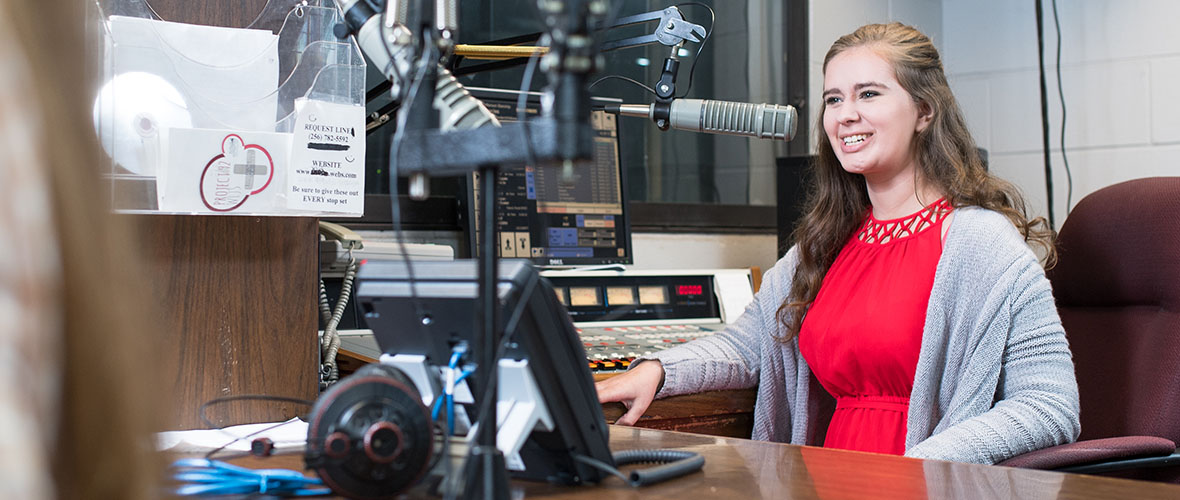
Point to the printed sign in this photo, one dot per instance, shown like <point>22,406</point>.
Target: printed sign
<point>327,169</point>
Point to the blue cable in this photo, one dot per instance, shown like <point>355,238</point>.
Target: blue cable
<point>455,357</point>
<point>201,476</point>
<point>448,397</point>
<point>450,414</point>
<point>438,403</point>
<point>451,402</point>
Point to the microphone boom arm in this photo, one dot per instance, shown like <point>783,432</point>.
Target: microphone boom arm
<point>672,31</point>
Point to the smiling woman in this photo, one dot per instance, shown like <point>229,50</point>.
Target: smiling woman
<point>870,298</point>
<point>874,121</point>
<point>910,255</point>
<point>898,64</point>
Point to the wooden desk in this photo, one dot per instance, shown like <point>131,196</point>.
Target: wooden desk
<point>739,468</point>
<point>717,413</point>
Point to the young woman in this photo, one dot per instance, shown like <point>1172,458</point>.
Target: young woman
<point>911,295</point>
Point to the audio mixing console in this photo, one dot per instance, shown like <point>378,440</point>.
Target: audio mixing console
<point>613,349</point>
<point>621,316</point>
<point>624,315</point>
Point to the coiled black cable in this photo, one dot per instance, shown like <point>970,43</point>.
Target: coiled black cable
<point>676,463</point>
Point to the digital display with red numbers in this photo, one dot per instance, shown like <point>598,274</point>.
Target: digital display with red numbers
<point>591,298</point>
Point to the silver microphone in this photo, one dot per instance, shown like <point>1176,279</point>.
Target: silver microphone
<point>457,108</point>
<point>382,47</point>
<point>764,121</point>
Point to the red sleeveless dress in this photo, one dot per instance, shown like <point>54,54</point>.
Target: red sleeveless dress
<point>863,332</point>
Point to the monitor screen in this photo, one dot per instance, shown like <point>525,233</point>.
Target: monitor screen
<point>550,221</point>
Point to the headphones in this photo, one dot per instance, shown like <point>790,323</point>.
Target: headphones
<point>369,435</point>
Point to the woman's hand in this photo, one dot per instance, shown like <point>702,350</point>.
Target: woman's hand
<point>635,389</point>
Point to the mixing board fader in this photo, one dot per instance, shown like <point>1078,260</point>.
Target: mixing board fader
<point>614,348</point>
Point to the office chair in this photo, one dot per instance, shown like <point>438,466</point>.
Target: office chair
<point>1117,286</point>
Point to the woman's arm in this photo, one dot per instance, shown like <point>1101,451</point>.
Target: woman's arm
<point>725,360</point>
<point>730,359</point>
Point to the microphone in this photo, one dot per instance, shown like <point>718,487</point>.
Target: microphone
<point>764,121</point>
<point>364,23</point>
<point>457,108</point>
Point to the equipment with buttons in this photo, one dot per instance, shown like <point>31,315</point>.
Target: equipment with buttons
<point>614,348</point>
<point>623,315</point>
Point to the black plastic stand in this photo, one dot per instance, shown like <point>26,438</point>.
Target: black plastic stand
<point>485,475</point>
<point>564,138</point>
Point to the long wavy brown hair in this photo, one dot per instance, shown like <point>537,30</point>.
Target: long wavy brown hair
<point>948,160</point>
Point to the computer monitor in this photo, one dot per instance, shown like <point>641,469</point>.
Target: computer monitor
<point>435,312</point>
<point>547,220</point>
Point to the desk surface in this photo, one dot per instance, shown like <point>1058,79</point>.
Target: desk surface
<point>739,468</point>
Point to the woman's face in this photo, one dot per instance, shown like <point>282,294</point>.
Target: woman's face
<point>869,118</point>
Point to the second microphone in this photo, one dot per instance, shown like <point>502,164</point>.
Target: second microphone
<point>764,121</point>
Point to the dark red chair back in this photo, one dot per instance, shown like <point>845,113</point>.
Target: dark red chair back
<point>1117,285</point>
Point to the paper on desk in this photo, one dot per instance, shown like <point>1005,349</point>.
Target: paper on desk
<point>291,434</point>
<point>734,291</point>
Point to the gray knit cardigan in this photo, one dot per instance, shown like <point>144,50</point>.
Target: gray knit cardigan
<point>995,376</point>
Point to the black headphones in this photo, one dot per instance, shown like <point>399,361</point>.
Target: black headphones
<point>369,435</point>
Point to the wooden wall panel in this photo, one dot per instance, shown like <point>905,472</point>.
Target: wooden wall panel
<point>231,13</point>
<point>237,297</point>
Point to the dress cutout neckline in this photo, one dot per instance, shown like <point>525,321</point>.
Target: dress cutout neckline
<point>880,232</point>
